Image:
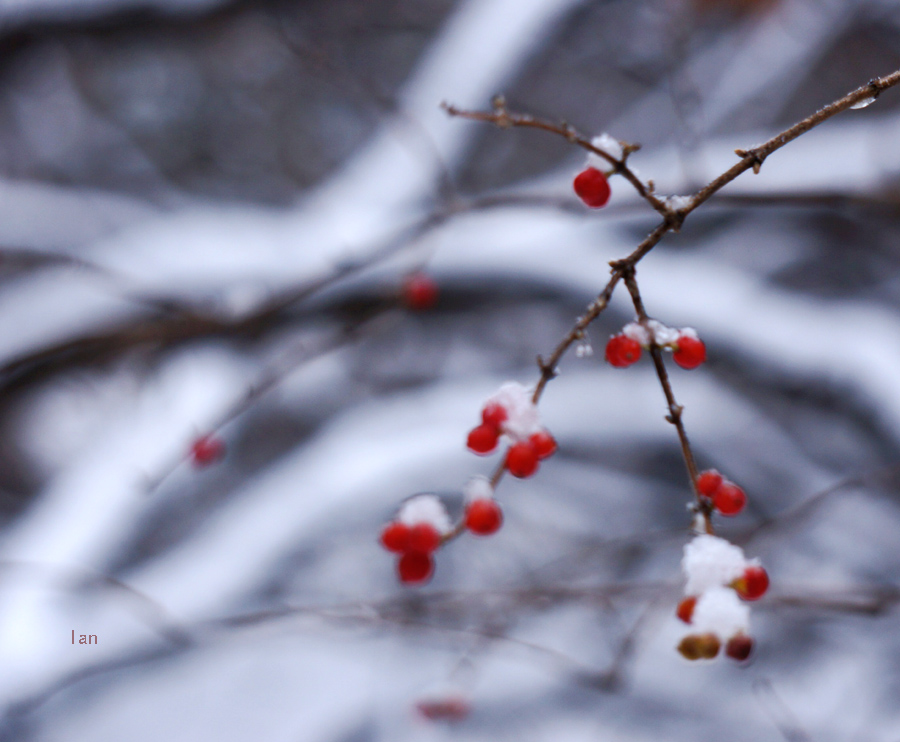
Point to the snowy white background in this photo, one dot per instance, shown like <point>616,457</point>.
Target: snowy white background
<point>169,169</point>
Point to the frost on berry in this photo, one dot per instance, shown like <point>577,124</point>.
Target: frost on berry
<point>752,583</point>
<point>592,187</point>
<point>622,351</point>
<point>415,567</point>
<point>207,450</point>
<point>710,561</point>
<point>420,292</point>
<point>522,459</point>
<point>426,509</point>
<point>522,418</point>
<point>483,439</point>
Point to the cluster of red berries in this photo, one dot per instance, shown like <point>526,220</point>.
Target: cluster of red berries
<point>726,497</point>
<point>592,187</point>
<point>415,544</point>
<point>420,292</point>
<point>688,351</point>
<point>524,455</point>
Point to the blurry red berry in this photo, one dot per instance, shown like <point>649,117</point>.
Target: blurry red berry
<point>395,536</point>
<point>708,482</point>
<point>522,459</point>
<point>739,647</point>
<point>423,538</point>
<point>483,439</point>
<point>543,443</point>
<point>690,352</point>
<point>753,584</point>
<point>494,414</point>
<point>729,499</point>
<point>207,450</point>
<point>420,291</point>
<point>592,187</point>
<point>449,709</point>
<point>622,351</point>
<point>483,516</point>
<point>685,610</point>
<point>415,567</point>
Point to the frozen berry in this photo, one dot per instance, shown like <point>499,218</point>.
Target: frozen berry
<point>592,187</point>
<point>689,352</point>
<point>415,567</point>
<point>708,482</point>
<point>622,351</point>
<point>423,538</point>
<point>522,459</point>
<point>685,610</point>
<point>753,584</point>
<point>395,536</point>
<point>483,439</point>
<point>483,516</point>
<point>699,646</point>
<point>739,647</point>
<point>494,415</point>
<point>207,450</point>
<point>729,499</point>
<point>420,292</point>
<point>543,443</point>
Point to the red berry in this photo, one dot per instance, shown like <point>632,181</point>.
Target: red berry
<point>207,450</point>
<point>420,292</point>
<point>423,539</point>
<point>483,439</point>
<point>690,352</point>
<point>494,414</point>
<point>685,610</point>
<point>739,647</point>
<point>592,187</point>
<point>699,646</point>
<point>449,709</point>
<point>622,351</point>
<point>483,516</point>
<point>522,459</point>
<point>395,536</point>
<point>753,584</point>
<point>708,482</point>
<point>415,567</point>
<point>729,499</point>
<point>543,443</point>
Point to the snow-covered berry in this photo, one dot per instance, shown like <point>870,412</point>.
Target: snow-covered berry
<point>483,439</point>
<point>622,351</point>
<point>494,414</point>
<point>592,187</point>
<point>420,291</point>
<point>729,499</point>
<point>207,450</point>
<point>515,400</point>
<point>710,562</point>
<point>739,647</point>
<point>522,459</point>
<point>690,351</point>
<point>483,516</point>
<point>415,566</point>
<point>753,582</point>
